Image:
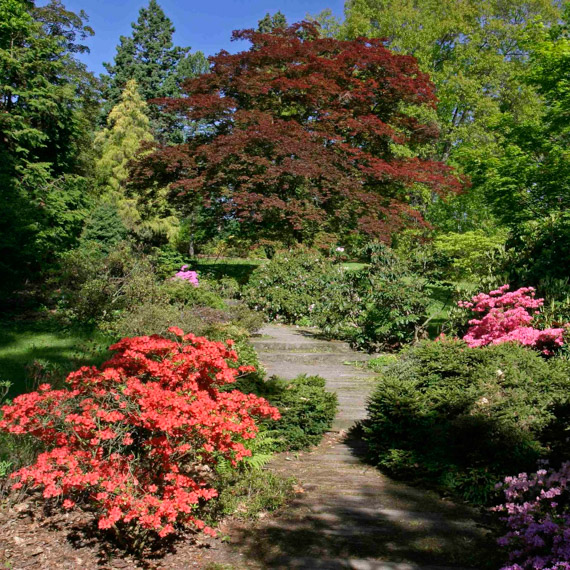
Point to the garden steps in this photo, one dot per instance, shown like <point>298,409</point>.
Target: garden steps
<point>346,513</point>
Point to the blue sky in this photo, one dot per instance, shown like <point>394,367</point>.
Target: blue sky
<point>204,25</point>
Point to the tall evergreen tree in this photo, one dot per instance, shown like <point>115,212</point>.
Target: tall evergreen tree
<point>158,66</point>
<point>269,23</point>
<point>128,128</point>
<point>47,113</point>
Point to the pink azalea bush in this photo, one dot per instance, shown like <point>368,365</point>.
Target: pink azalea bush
<point>537,515</point>
<point>186,275</point>
<point>507,316</point>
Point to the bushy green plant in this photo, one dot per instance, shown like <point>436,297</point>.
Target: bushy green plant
<point>473,253</point>
<point>288,287</point>
<point>179,291</point>
<point>307,409</point>
<point>383,305</point>
<point>540,249</point>
<point>463,418</point>
<point>94,287</point>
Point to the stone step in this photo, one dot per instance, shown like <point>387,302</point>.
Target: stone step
<point>311,358</point>
<point>268,345</point>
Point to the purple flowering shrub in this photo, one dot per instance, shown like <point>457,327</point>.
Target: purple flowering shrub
<point>185,275</point>
<point>537,515</point>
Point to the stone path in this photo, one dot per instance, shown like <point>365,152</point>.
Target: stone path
<point>349,515</point>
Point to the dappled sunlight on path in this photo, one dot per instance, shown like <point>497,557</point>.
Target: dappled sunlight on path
<point>347,514</point>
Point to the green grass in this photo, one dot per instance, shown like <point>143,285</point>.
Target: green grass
<point>59,351</point>
<point>354,266</point>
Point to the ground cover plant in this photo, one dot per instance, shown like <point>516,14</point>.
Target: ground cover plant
<point>131,437</point>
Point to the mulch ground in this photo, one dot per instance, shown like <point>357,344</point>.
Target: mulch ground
<point>33,538</point>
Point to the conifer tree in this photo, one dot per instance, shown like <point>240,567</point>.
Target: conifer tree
<point>158,66</point>
<point>127,127</point>
<point>269,23</point>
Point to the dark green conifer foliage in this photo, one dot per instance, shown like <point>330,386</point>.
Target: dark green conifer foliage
<point>47,111</point>
<point>269,23</point>
<point>158,66</point>
<point>104,226</point>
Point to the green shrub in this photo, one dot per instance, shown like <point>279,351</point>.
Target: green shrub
<point>382,306</point>
<point>179,291</point>
<point>463,418</point>
<point>288,287</point>
<point>94,287</point>
<point>473,253</point>
<point>307,409</point>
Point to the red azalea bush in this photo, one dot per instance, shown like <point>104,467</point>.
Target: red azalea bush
<point>135,438</point>
<point>507,317</point>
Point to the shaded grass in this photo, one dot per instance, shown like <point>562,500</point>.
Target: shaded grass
<point>217,268</point>
<point>56,350</point>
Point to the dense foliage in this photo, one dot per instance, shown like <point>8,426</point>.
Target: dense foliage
<point>288,287</point>
<point>303,134</point>
<point>130,438</point>
<point>307,409</point>
<point>383,305</point>
<point>47,112</point>
<point>486,412</point>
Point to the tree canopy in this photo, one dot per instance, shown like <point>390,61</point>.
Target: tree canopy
<point>47,113</point>
<point>302,134</point>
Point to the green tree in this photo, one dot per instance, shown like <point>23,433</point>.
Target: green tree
<point>475,52</point>
<point>158,66</point>
<point>128,129</point>
<point>47,112</point>
<point>528,181</point>
<point>270,23</point>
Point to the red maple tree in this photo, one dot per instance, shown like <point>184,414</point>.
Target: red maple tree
<point>301,134</point>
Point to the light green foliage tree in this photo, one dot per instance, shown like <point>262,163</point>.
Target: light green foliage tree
<point>47,112</point>
<point>530,177</point>
<point>128,126</point>
<point>473,254</point>
<point>159,67</point>
<point>528,181</point>
<point>475,52</point>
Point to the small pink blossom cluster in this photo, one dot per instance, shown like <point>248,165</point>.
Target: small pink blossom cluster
<point>537,514</point>
<point>508,318</point>
<point>186,275</point>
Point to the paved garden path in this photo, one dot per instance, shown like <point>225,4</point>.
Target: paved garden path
<point>349,515</point>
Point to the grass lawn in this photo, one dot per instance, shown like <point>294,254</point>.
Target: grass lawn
<point>24,342</point>
<point>354,265</point>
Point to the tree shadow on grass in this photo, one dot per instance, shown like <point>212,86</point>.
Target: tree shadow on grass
<point>38,350</point>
